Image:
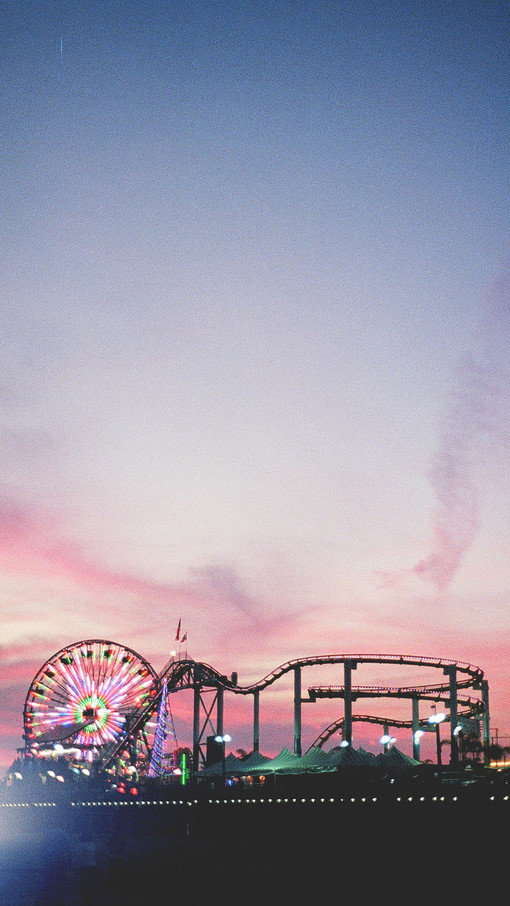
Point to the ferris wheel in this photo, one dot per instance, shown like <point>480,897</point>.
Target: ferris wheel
<point>86,694</point>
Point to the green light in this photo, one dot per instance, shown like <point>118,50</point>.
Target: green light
<point>95,708</point>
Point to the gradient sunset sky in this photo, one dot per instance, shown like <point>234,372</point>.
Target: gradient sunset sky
<point>255,331</point>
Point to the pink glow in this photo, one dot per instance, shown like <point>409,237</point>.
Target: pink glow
<point>30,546</point>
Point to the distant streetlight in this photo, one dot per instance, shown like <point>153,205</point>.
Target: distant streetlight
<point>387,741</point>
<point>222,740</point>
<point>435,720</point>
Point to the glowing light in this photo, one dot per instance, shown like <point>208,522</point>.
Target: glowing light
<point>436,718</point>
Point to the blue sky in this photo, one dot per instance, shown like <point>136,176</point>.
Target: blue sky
<point>251,253</point>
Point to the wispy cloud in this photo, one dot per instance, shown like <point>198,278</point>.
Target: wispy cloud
<point>474,425</point>
<point>31,543</point>
<point>453,477</point>
<point>475,422</point>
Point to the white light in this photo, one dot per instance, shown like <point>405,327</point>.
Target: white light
<point>458,729</point>
<point>418,735</point>
<point>436,718</point>
<point>227,738</point>
<point>51,773</point>
<point>385,739</point>
<point>18,776</point>
<point>57,747</point>
<point>344,744</point>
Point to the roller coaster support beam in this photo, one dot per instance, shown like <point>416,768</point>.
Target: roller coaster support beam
<point>196,727</point>
<point>415,728</point>
<point>347,728</point>
<point>198,730</point>
<point>219,711</point>
<point>484,685</point>
<point>256,720</point>
<point>297,711</point>
<point>451,672</point>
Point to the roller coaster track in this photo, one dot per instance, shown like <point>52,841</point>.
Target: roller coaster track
<point>135,723</point>
<point>184,673</point>
<point>468,708</point>
<point>429,693</point>
<point>337,725</point>
<point>179,674</point>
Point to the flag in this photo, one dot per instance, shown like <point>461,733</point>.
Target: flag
<point>185,637</point>
<point>178,630</point>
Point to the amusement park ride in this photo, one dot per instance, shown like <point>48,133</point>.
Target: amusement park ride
<point>104,706</point>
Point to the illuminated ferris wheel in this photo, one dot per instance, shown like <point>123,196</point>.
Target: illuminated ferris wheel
<point>86,694</point>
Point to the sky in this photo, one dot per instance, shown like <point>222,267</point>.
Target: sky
<point>255,327</point>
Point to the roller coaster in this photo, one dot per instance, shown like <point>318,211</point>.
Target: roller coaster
<point>105,703</point>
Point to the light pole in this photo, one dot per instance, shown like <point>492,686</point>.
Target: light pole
<point>222,740</point>
<point>436,720</point>
<point>387,741</point>
<point>417,735</point>
<point>459,736</point>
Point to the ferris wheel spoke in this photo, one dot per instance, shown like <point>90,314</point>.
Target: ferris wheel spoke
<point>94,685</point>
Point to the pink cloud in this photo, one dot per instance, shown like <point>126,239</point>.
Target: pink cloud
<point>30,544</point>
